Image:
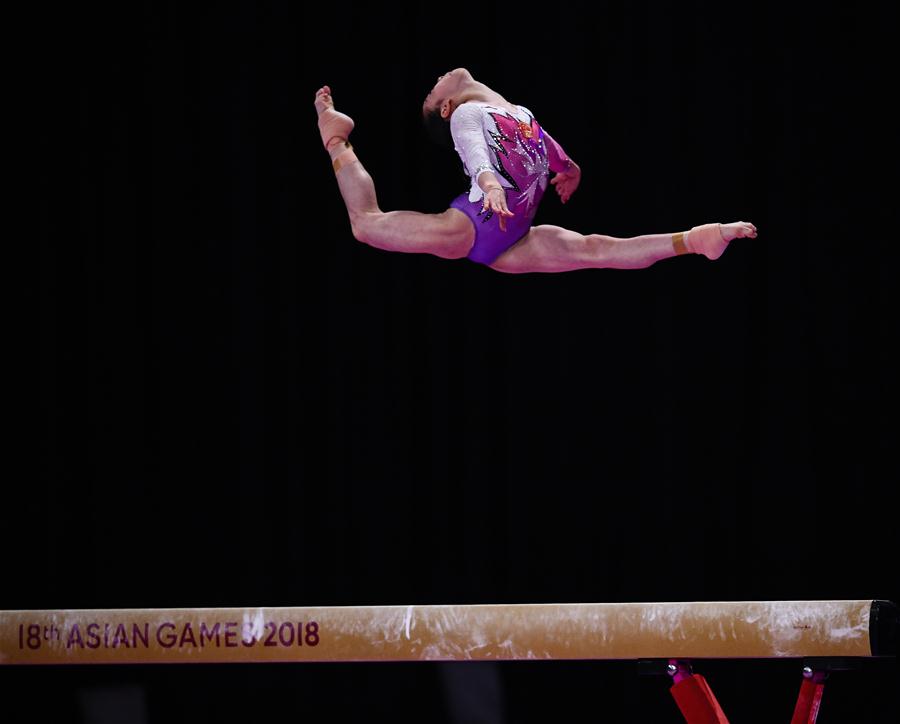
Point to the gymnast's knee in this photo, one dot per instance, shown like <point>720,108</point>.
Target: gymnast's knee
<point>362,224</point>
<point>599,248</point>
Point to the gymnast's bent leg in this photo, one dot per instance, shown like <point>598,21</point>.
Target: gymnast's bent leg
<point>548,248</point>
<point>449,234</point>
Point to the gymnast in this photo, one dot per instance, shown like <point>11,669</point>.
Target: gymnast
<point>508,157</point>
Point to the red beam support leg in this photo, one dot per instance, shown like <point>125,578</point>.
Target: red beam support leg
<point>810,698</point>
<point>695,699</point>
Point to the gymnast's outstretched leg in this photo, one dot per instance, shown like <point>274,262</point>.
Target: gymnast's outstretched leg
<point>548,248</point>
<point>449,234</point>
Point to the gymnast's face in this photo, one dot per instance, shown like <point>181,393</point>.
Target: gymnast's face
<point>443,95</point>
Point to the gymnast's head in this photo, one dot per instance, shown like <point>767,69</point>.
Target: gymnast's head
<point>443,98</point>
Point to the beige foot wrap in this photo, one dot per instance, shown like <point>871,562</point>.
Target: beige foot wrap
<point>333,124</point>
<point>344,158</point>
<point>707,240</point>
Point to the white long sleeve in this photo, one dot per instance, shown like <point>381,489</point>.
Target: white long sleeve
<point>467,129</point>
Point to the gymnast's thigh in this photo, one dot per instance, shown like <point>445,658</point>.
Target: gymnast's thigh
<point>544,248</point>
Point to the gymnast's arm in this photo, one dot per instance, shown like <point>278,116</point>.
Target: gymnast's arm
<point>568,173</point>
<point>468,137</point>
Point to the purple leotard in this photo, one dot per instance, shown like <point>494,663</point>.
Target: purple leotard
<point>520,153</point>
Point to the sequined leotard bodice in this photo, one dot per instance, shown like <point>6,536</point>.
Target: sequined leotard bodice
<point>519,152</point>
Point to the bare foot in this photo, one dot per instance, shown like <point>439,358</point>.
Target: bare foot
<point>711,240</point>
<point>738,230</point>
<point>335,127</point>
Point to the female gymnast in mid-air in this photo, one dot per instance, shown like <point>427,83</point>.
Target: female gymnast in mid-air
<point>508,157</point>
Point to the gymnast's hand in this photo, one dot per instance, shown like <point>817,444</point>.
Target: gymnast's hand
<point>567,181</point>
<point>495,200</point>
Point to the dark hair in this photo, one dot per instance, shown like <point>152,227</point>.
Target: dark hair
<point>437,128</point>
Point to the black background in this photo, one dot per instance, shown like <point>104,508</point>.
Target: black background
<point>239,404</point>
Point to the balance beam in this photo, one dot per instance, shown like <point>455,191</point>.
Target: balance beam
<point>691,630</point>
